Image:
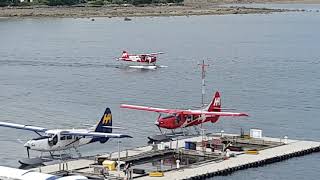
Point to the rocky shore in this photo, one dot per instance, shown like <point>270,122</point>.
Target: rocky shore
<point>191,7</point>
<point>127,11</point>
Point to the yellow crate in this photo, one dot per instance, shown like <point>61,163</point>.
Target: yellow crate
<point>110,165</point>
<point>254,152</point>
<point>246,136</point>
<point>156,174</point>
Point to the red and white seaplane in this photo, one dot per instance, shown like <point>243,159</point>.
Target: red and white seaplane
<point>179,118</point>
<point>143,61</point>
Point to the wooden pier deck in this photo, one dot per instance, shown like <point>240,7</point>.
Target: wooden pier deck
<point>277,152</point>
<point>243,161</point>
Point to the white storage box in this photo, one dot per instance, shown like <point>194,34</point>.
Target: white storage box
<point>256,133</point>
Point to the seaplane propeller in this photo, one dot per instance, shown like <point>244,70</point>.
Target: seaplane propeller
<point>20,141</point>
<point>28,148</point>
<point>28,152</point>
<point>158,123</point>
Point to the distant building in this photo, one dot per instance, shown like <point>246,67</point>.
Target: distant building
<point>26,0</point>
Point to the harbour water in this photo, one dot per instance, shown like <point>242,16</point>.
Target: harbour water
<point>62,72</point>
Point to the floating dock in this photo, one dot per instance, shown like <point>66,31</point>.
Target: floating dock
<point>199,157</point>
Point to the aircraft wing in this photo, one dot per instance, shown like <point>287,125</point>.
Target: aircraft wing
<point>152,109</point>
<point>151,54</point>
<point>199,112</point>
<point>94,134</point>
<point>23,127</point>
<point>180,111</point>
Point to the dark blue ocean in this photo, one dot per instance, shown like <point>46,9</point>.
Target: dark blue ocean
<point>62,73</point>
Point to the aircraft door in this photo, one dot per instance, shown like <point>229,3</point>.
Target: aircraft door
<point>53,140</point>
<point>189,118</point>
<point>178,118</point>
<point>149,59</point>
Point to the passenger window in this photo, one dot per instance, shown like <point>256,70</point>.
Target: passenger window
<point>63,138</point>
<point>69,137</point>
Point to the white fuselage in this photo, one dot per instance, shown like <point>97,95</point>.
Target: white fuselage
<point>134,58</point>
<point>54,141</point>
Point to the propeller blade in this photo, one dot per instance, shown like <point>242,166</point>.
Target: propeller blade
<point>20,141</point>
<point>28,152</point>
<point>160,129</point>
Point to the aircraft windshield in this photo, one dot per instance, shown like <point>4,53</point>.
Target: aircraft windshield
<point>41,137</point>
<point>168,116</point>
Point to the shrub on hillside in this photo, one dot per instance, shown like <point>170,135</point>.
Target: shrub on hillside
<point>62,2</point>
<point>97,2</point>
<point>137,2</point>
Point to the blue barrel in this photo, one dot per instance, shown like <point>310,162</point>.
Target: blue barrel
<point>187,145</point>
<point>193,145</point>
<point>190,145</point>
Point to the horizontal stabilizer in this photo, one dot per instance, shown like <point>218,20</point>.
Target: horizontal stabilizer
<point>114,127</point>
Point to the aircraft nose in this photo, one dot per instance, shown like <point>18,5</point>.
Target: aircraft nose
<point>27,144</point>
<point>156,123</point>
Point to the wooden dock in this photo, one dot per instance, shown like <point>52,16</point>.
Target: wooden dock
<point>294,148</point>
<point>277,150</point>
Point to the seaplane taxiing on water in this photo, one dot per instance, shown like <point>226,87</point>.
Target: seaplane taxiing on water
<point>64,139</point>
<point>142,61</point>
<point>179,118</point>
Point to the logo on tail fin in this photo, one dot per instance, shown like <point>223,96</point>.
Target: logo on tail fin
<point>217,101</point>
<point>104,125</point>
<point>125,54</point>
<point>106,119</point>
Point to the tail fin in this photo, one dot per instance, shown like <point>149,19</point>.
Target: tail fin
<point>215,104</point>
<point>125,54</point>
<point>106,120</point>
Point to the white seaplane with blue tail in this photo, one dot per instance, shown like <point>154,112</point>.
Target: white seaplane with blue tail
<point>64,139</point>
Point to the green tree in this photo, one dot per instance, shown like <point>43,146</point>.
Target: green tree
<point>97,2</point>
<point>4,3</point>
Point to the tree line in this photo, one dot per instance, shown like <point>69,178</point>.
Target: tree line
<point>93,2</point>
